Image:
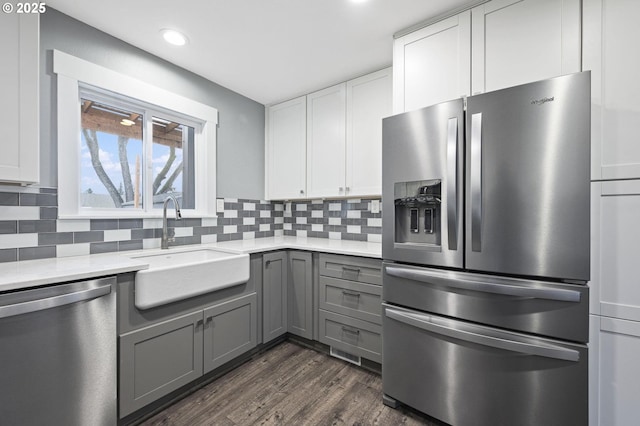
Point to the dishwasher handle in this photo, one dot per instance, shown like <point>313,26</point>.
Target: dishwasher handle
<point>54,301</point>
<point>425,323</point>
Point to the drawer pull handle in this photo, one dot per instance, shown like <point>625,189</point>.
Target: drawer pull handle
<point>350,269</point>
<point>350,330</point>
<point>349,293</point>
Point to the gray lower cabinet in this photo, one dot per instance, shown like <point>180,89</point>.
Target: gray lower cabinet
<point>160,358</point>
<point>350,305</point>
<point>229,331</point>
<point>300,294</point>
<point>274,295</point>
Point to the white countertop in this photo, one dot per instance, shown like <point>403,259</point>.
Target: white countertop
<point>31,273</point>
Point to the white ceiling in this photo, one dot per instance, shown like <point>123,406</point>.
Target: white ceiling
<point>267,50</point>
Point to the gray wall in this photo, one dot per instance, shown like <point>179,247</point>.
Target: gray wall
<point>240,168</point>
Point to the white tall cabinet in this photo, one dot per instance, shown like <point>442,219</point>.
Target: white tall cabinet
<point>610,51</point>
<point>19,82</point>
<point>286,150</point>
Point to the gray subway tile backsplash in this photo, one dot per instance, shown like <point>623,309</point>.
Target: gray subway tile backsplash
<point>242,218</point>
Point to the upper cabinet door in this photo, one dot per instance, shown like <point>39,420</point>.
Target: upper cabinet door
<point>368,102</point>
<point>19,116</point>
<point>611,33</point>
<point>286,152</point>
<point>521,41</point>
<point>432,65</point>
<point>326,142</point>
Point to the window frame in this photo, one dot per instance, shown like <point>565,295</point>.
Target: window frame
<point>75,77</point>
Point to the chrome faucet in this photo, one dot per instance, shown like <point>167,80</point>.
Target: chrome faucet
<point>164,244</point>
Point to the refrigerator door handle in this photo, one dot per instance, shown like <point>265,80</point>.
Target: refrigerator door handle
<point>452,184</point>
<point>538,292</point>
<point>476,182</point>
<point>426,323</point>
<point>53,302</point>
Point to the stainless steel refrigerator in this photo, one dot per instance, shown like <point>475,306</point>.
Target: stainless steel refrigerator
<point>486,256</point>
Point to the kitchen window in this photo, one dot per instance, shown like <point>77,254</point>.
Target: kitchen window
<point>123,145</point>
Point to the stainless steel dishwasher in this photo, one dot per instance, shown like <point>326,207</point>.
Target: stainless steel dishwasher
<point>58,355</point>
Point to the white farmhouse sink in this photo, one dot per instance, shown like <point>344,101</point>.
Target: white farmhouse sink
<point>178,275</point>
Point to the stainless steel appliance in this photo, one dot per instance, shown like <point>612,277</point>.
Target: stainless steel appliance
<point>58,355</point>
<point>486,256</point>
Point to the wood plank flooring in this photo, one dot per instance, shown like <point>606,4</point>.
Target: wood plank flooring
<point>289,385</point>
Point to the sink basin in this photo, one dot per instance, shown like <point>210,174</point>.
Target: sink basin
<point>178,275</point>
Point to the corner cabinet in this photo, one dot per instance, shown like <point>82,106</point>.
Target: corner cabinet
<point>286,153</point>
<point>300,294</point>
<point>335,150</point>
<point>19,82</point>
<point>274,295</point>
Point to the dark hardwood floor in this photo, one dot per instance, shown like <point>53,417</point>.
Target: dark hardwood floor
<point>289,385</point>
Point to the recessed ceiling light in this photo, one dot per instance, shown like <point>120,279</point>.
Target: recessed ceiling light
<point>359,1</point>
<point>174,37</point>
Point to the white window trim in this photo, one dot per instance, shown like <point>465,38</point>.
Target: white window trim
<point>71,72</point>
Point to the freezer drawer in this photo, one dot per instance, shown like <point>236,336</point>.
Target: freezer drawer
<point>466,374</point>
<point>539,307</point>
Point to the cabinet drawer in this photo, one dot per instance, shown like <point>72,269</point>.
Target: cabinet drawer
<point>351,335</point>
<point>358,300</point>
<point>351,268</point>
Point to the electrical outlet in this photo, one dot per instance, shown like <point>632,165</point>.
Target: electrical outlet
<point>219,205</point>
<point>375,206</point>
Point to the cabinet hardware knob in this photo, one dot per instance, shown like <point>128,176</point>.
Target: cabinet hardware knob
<point>302,191</point>
<point>340,189</point>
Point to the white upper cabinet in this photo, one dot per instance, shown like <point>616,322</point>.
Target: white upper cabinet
<point>368,102</point>
<point>19,116</point>
<point>610,51</point>
<point>432,65</point>
<point>519,41</point>
<point>286,152</point>
<point>326,110</point>
<point>328,144</point>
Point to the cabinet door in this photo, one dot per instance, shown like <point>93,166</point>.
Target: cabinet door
<point>286,151</point>
<point>521,41</point>
<point>300,294</point>
<point>230,330</point>
<point>368,102</point>
<point>433,64</point>
<point>19,82</point>
<point>619,239</point>
<point>159,359</point>
<point>610,38</point>
<point>619,372</point>
<point>326,142</point>
<point>274,295</point>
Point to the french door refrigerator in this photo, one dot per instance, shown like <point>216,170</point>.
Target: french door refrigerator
<point>486,256</point>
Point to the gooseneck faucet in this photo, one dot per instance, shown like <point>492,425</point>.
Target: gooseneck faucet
<point>164,244</point>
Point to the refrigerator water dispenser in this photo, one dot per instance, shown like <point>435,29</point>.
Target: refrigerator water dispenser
<point>417,212</point>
